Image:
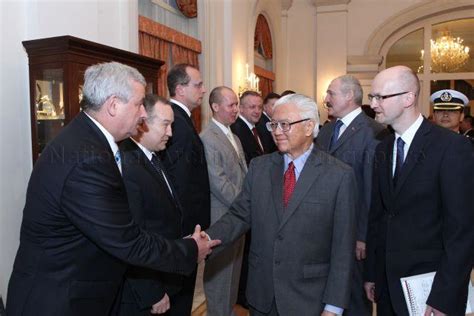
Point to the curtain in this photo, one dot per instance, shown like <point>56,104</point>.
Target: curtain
<point>265,85</point>
<point>180,55</point>
<point>157,48</point>
<point>263,37</point>
<point>157,41</point>
<point>266,78</point>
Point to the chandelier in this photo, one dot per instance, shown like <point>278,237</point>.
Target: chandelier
<point>448,54</point>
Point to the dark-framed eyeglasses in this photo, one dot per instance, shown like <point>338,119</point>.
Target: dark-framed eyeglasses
<point>285,126</point>
<point>378,97</point>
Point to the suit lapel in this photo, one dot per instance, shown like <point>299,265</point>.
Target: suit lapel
<point>277,183</point>
<point>325,139</point>
<point>223,139</point>
<point>142,159</point>
<point>308,175</point>
<point>414,154</point>
<point>349,132</point>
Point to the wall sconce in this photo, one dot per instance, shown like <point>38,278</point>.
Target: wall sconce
<point>250,82</point>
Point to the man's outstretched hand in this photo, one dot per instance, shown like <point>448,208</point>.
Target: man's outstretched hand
<point>204,244</point>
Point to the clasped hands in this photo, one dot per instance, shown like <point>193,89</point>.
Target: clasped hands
<point>204,243</point>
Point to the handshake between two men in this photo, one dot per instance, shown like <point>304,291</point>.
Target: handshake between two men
<point>204,243</point>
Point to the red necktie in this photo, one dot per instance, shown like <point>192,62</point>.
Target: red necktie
<point>289,182</point>
<point>257,140</point>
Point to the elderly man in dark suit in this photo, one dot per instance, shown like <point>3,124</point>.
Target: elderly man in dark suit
<point>299,204</point>
<point>352,138</point>
<point>77,234</point>
<point>227,169</point>
<point>154,206</point>
<point>421,215</point>
<point>185,161</point>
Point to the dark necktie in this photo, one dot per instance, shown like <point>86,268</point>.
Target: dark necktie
<point>257,140</point>
<point>289,182</point>
<point>399,161</point>
<point>335,134</point>
<point>156,162</point>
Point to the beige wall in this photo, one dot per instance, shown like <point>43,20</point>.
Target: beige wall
<point>301,57</point>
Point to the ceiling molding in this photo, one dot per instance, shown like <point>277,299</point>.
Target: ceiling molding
<point>321,3</point>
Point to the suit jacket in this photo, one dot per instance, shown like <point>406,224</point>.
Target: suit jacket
<point>250,145</point>
<point>185,162</point>
<point>266,137</point>
<point>77,232</point>
<point>155,209</point>
<point>300,256</point>
<point>424,223</point>
<point>356,147</point>
<point>226,169</point>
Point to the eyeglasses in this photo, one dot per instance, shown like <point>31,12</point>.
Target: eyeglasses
<point>378,97</point>
<point>283,125</point>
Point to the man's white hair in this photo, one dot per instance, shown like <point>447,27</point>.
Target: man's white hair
<point>307,108</point>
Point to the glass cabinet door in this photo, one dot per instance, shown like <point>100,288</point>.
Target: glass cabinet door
<point>49,105</point>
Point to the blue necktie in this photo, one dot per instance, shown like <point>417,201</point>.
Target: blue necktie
<point>335,134</point>
<point>399,162</point>
<point>118,160</point>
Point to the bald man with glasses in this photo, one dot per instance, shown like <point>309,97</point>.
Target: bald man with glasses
<point>421,215</point>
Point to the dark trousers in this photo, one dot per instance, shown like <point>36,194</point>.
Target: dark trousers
<point>384,303</point>
<point>182,304</point>
<point>241,296</point>
<point>359,304</point>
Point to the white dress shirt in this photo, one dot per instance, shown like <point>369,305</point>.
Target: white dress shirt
<point>407,137</point>
<point>181,105</point>
<point>149,155</point>
<point>110,139</point>
<point>347,120</point>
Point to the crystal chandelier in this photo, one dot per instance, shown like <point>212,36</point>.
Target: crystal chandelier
<point>448,54</point>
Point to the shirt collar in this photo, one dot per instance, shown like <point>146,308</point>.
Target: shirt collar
<point>224,128</point>
<point>110,139</point>
<point>347,120</point>
<point>147,153</point>
<point>250,125</point>
<point>181,105</point>
<point>298,162</point>
<point>409,134</point>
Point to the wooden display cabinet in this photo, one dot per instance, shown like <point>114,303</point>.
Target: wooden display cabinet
<point>56,71</point>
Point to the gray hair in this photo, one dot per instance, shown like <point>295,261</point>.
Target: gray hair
<point>351,83</point>
<point>307,108</point>
<point>101,81</point>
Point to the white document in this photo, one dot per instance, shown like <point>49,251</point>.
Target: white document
<point>417,288</point>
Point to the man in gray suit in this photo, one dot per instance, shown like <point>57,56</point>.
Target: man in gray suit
<point>352,138</point>
<point>299,204</point>
<point>227,168</point>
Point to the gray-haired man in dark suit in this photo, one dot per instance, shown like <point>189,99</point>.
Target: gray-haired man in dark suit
<point>352,138</point>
